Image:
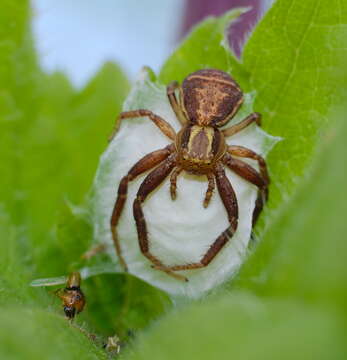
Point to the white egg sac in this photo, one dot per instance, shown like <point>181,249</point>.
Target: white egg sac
<point>179,231</point>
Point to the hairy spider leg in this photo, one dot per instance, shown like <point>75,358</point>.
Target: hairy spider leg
<point>176,106</point>
<point>146,163</point>
<point>163,125</point>
<point>248,173</point>
<point>229,200</point>
<point>151,182</point>
<point>209,191</point>
<point>250,119</point>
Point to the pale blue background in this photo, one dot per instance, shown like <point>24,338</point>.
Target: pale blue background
<point>78,36</point>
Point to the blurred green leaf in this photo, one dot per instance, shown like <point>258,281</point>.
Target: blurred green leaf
<point>36,334</point>
<point>122,303</point>
<point>51,136</point>
<point>303,254</point>
<point>243,327</point>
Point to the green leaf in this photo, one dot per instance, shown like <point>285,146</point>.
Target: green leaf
<point>33,334</point>
<point>51,136</point>
<point>303,254</point>
<point>293,60</point>
<point>243,327</point>
<point>18,70</point>
<point>58,155</point>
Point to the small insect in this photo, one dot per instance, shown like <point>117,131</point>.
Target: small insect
<point>113,345</point>
<point>207,100</point>
<point>72,296</point>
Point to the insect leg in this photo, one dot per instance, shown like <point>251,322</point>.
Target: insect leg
<point>146,163</point>
<point>163,125</point>
<point>228,197</point>
<point>176,106</point>
<point>232,130</point>
<point>247,172</point>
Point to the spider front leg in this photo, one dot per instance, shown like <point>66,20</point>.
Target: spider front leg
<point>146,163</point>
<point>176,106</point>
<point>247,172</point>
<point>250,119</point>
<point>151,182</point>
<point>228,197</point>
<point>163,125</point>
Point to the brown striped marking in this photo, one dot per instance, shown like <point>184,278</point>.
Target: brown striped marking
<point>211,97</point>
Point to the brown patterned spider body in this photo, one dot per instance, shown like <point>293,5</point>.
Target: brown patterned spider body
<point>207,100</point>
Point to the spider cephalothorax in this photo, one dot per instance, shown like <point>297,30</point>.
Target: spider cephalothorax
<point>207,100</point>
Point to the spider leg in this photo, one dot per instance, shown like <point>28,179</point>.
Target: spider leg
<point>173,182</point>
<point>210,188</point>
<point>241,151</point>
<point>147,162</point>
<point>232,130</point>
<point>163,125</point>
<point>247,172</point>
<point>262,198</point>
<point>170,90</point>
<point>230,203</point>
<point>151,182</point>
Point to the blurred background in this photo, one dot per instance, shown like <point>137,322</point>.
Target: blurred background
<point>78,36</point>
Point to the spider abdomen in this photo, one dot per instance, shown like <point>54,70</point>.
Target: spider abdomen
<point>199,148</point>
<point>211,97</point>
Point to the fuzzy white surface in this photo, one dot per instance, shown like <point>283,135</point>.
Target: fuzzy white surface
<point>180,231</point>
